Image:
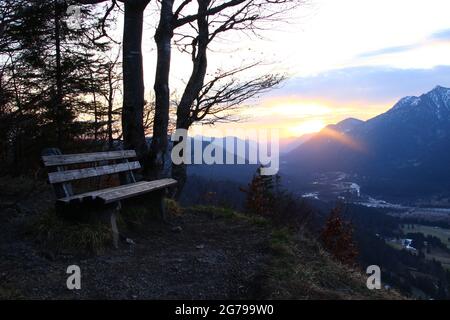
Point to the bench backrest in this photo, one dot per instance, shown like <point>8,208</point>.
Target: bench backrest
<point>60,176</point>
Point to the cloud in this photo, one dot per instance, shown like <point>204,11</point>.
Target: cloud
<point>388,50</point>
<point>329,97</point>
<point>371,85</point>
<point>442,35</point>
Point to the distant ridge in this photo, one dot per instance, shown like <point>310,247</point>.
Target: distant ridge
<point>410,144</point>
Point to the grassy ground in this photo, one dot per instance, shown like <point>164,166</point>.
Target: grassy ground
<point>395,245</point>
<point>78,237</point>
<point>204,252</point>
<point>441,233</point>
<point>298,268</point>
<point>199,255</point>
<point>301,269</point>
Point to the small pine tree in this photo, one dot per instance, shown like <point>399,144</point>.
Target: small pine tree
<point>265,197</point>
<point>337,238</point>
<point>261,194</point>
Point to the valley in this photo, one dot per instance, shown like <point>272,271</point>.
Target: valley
<point>390,175</point>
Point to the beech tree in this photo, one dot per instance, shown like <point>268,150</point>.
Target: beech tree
<point>133,74</point>
<point>201,97</point>
<point>204,97</point>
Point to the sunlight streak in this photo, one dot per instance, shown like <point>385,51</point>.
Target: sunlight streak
<point>343,139</point>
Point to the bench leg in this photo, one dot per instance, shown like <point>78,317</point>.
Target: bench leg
<point>162,205</point>
<point>114,229</point>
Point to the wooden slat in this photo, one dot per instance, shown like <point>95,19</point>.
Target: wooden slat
<point>66,159</point>
<point>93,194</point>
<point>116,195</point>
<point>121,192</point>
<point>60,189</point>
<point>69,175</point>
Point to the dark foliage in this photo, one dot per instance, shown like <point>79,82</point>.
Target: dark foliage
<point>52,75</point>
<point>265,197</point>
<point>337,237</point>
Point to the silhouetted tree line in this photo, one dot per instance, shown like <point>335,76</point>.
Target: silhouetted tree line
<point>60,74</point>
<point>404,270</point>
<point>420,242</point>
<point>57,80</point>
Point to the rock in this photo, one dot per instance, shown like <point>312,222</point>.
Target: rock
<point>200,246</point>
<point>130,241</point>
<point>177,229</point>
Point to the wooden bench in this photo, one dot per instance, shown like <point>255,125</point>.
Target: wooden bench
<point>96,165</point>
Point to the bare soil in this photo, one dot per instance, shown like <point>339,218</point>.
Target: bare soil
<point>209,258</point>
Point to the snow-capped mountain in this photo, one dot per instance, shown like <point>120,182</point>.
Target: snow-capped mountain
<point>409,143</point>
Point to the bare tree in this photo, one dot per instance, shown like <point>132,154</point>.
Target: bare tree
<point>133,78</point>
<point>201,97</point>
<point>169,20</point>
<point>217,101</point>
<point>224,15</point>
<point>133,74</point>
<point>163,38</point>
<point>113,78</point>
<point>149,113</point>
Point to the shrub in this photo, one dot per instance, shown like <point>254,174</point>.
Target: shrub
<point>337,238</point>
<point>265,197</point>
<point>58,234</point>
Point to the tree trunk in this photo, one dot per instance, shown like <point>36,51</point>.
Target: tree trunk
<point>110,107</point>
<point>193,88</point>
<point>95,117</point>
<point>163,37</point>
<point>133,80</point>
<point>58,105</point>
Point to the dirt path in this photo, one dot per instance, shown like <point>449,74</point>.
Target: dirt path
<point>207,259</point>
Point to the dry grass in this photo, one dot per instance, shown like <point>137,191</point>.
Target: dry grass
<point>173,208</point>
<point>9,293</point>
<point>301,269</point>
<point>60,235</point>
<point>228,213</point>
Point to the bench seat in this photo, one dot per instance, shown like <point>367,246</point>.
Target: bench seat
<point>114,194</point>
<point>98,164</point>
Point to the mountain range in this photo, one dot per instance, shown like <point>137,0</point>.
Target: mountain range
<point>406,149</point>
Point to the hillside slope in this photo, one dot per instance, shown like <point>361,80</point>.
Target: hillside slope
<point>215,254</point>
<point>408,145</point>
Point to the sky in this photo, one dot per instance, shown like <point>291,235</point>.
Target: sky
<point>347,58</point>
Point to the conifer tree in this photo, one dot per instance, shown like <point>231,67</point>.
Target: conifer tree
<point>337,237</point>
<point>50,67</point>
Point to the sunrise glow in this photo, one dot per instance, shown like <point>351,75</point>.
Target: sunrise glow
<point>306,127</point>
<point>338,66</point>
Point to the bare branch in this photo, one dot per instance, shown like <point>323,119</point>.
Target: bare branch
<point>211,11</point>
<point>225,93</point>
